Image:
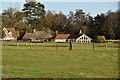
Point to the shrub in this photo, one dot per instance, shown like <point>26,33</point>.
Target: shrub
<point>101,39</point>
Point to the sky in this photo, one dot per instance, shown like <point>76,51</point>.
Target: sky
<point>88,7</point>
<point>92,7</point>
<point>62,0</point>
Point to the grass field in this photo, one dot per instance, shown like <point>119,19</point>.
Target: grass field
<point>45,60</point>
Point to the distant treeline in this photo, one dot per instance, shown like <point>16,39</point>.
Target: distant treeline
<point>34,16</point>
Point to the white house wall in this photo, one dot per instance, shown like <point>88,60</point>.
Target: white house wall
<point>60,40</point>
<point>9,38</point>
<point>84,39</point>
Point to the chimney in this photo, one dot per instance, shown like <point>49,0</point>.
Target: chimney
<point>20,20</point>
<point>34,30</point>
<point>80,32</point>
<point>56,32</point>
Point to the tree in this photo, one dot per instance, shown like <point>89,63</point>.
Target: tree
<point>70,22</point>
<point>117,32</point>
<point>57,22</point>
<point>35,14</point>
<point>80,16</point>
<point>9,12</point>
<point>106,25</point>
<point>77,21</point>
<point>96,29</point>
<point>8,17</point>
<point>21,34</point>
<point>14,19</point>
<point>89,24</point>
<point>110,25</point>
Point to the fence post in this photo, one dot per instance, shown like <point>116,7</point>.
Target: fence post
<point>70,47</point>
<point>3,46</point>
<point>93,46</point>
<point>18,45</point>
<point>56,46</point>
<point>112,44</point>
<point>30,45</point>
<point>106,44</point>
<point>43,45</point>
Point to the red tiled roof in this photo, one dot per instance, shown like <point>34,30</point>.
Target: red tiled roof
<point>62,36</point>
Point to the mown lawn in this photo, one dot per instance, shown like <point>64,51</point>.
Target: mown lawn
<point>50,61</point>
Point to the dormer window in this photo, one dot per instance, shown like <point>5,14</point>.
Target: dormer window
<point>10,33</point>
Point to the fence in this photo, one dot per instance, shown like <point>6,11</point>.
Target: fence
<point>31,45</point>
<point>57,46</point>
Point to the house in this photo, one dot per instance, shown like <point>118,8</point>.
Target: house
<point>9,34</point>
<point>38,36</point>
<point>62,37</point>
<point>79,37</point>
<point>83,39</point>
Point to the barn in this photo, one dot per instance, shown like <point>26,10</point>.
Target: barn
<point>37,36</point>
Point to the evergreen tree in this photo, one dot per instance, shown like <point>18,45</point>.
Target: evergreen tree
<point>35,14</point>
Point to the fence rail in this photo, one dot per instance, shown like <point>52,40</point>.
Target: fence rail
<point>53,45</point>
<point>112,40</point>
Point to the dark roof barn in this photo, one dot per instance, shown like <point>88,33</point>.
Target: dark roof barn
<point>37,35</point>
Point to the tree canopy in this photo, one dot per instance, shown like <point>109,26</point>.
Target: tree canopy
<point>34,14</point>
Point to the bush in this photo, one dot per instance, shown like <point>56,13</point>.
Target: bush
<point>101,39</point>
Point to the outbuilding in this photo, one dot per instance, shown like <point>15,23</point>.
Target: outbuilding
<point>38,36</point>
<point>62,37</point>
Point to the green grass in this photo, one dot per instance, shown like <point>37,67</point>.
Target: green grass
<point>60,62</point>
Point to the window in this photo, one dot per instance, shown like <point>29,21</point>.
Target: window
<point>10,33</point>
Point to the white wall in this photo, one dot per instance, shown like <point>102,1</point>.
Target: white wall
<point>60,40</point>
<point>83,39</point>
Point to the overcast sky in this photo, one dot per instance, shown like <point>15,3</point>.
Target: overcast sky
<point>89,6</point>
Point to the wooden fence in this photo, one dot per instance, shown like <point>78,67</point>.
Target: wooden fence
<point>30,45</point>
